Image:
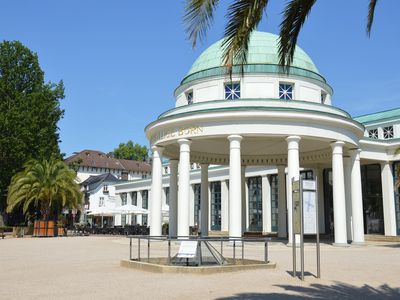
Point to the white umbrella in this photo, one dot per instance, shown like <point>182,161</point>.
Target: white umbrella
<point>132,209</point>
<point>129,209</point>
<point>103,211</point>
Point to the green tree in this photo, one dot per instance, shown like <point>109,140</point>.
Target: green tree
<point>29,113</point>
<point>45,185</point>
<point>132,151</point>
<point>243,17</point>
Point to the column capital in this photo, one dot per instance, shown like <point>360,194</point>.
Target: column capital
<point>293,138</point>
<point>204,165</point>
<point>235,137</point>
<point>337,147</point>
<point>159,149</point>
<point>337,144</point>
<point>184,142</point>
<point>184,145</point>
<point>355,153</point>
<point>293,142</point>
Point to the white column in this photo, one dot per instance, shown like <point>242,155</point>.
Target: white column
<point>293,173</point>
<point>339,203</point>
<point>156,193</point>
<point>389,213</point>
<point>224,205</point>
<point>191,205</point>
<point>356,198</point>
<point>204,200</point>
<point>173,196</point>
<point>184,185</point>
<point>139,201</point>
<point>282,231</point>
<point>347,188</point>
<point>266,204</point>
<point>235,187</point>
<point>245,197</point>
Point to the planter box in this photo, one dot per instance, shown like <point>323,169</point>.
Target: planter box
<point>44,229</point>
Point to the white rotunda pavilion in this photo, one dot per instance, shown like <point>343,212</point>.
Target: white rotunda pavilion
<point>263,117</point>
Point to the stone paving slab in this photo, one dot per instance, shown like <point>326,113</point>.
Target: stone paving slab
<point>89,268</point>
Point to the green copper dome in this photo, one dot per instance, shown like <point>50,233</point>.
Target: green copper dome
<point>263,50</point>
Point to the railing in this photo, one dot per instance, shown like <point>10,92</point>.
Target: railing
<point>222,241</point>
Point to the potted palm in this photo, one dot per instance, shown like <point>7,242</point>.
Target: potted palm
<point>47,185</point>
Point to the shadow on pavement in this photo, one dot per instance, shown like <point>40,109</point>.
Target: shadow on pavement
<point>319,291</point>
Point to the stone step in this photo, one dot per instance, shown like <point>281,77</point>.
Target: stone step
<point>218,233</point>
<point>381,238</point>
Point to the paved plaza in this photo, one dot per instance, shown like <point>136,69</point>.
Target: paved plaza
<point>89,268</point>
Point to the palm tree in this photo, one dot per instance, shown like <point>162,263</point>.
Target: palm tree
<point>44,185</point>
<point>243,18</point>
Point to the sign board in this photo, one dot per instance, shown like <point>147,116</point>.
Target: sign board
<point>296,212</point>
<point>296,186</point>
<point>309,185</point>
<point>187,249</point>
<point>309,212</point>
<point>305,219</point>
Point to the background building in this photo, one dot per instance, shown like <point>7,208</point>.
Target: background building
<point>91,163</point>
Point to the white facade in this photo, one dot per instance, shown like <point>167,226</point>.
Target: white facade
<point>85,172</point>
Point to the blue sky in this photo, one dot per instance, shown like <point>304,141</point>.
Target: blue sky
<point>121,60</point>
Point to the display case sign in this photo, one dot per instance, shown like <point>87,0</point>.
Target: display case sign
<point>187,249</point>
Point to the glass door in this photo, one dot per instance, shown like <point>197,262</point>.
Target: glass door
<point>215,188</point>
<point>255,203</point>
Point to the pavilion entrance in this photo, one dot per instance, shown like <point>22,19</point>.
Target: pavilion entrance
<point>372,199</point>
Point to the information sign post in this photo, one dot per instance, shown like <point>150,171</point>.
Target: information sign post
<point>305,219</point>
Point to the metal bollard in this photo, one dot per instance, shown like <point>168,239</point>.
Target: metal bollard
<point>222,247</point>
<point>242,251</point>
<point>169,251</point>
<point>266,252</point>
<point>139,249</point>
<point>148,250</point>
<point>130,248</point>
<point>234,252</point>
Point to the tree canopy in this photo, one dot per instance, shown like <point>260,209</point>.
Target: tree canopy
<point>131,150</point>
<point>45,185</point>
<point>29,112</point>
<point>243,17</point>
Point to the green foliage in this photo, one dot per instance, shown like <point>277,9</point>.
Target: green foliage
<point>44,185</point>
<point>75,164</point>
<point>29,112</point>
<point>132,151</point>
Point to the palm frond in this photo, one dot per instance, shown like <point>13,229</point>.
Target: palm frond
<point>371,13</point>
<point>243,17</point>
<point>199,15</point>
<point>294,15</point>
<point>44,184</point>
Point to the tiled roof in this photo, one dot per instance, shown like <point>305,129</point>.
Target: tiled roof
<point>94,181</point>
<point>93,158</point>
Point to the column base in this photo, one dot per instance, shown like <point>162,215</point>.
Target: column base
<point>344,245</point>
<point>297,245</point>
<point>358,244</point>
